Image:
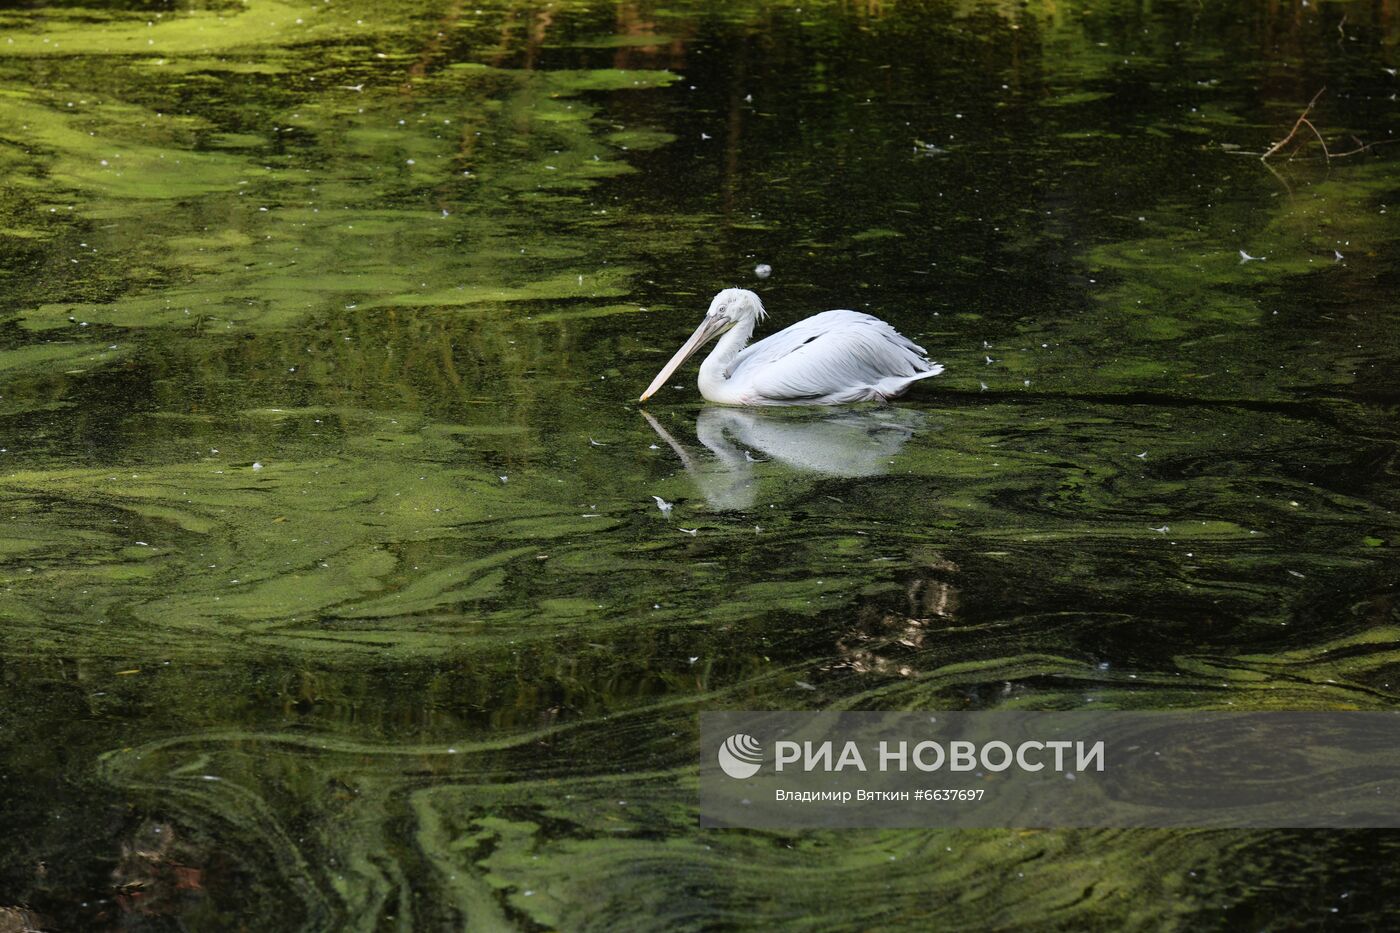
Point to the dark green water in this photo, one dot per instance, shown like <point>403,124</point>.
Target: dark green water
<point>332,591</point>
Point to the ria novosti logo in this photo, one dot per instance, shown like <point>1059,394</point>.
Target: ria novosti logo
<point>741,756</point>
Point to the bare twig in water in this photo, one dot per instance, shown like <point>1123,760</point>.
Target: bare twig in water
<point>1302,119</point>
<point>1309,125</point>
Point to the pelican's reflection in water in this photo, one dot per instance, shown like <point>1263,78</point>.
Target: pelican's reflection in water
<point>841,443</point>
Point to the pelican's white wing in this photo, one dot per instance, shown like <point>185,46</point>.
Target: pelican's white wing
<point>832,357</point>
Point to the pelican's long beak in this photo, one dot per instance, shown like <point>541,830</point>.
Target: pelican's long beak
<point>709,329</point>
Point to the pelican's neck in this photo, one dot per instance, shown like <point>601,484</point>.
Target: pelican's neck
<point>714,372</point>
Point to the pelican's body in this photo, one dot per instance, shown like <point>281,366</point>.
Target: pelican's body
<point>829,359</point>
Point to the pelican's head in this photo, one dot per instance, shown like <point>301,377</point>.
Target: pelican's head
<point>736,305</point>
<point>730,308</point>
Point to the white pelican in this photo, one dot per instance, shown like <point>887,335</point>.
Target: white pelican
<point>829,359</point>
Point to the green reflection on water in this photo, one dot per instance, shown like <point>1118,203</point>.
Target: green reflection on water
<point>334,591</point>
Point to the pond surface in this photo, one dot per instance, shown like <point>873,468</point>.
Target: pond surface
<point>334,594</point>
